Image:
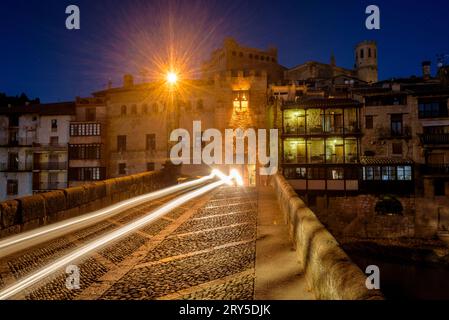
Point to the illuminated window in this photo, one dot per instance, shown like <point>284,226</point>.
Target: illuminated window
<point>241,100</point>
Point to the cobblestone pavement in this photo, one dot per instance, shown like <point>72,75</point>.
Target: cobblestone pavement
<point>204,249</point>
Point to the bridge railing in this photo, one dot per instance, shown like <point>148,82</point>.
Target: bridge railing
<point>30,212</point>
<point>327,268</point>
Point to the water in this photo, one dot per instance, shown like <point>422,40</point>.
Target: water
<point>405,281</point>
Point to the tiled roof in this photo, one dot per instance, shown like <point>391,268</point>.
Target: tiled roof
<point>378,161</point>
<point>322,102</point>
<point>63,108</point>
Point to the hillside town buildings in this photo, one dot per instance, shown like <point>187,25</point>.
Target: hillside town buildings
<point>341,130</point>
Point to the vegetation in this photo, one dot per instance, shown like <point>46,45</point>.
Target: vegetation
<point>21,100</point>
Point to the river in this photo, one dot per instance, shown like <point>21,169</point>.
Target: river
<point>408,281</point>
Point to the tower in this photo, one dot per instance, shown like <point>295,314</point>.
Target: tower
<point>366,61</point>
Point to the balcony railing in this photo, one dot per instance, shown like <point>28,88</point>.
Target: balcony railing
<point>434,138</point>
<point>16,142</point>
<point>319,130</point>
<point>46,186</point>
<point>9,167</point>
<point>50,166</point>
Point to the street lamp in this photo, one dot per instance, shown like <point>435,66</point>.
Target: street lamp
<point>172,78</point>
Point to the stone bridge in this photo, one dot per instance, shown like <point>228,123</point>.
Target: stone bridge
<point>147,237</point>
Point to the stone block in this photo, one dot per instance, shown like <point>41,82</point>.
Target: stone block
<point>9,214</point>
<point>31,208</point>
<point>55,201</point>
<point>75,197</point>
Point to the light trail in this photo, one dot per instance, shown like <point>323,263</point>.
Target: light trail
<point>115,235</point>
<point>238,178</point>
<point>38,236</point>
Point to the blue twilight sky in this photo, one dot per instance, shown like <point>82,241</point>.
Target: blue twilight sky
<point>41,57</point>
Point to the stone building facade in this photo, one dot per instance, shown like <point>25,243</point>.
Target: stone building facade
<point>234,56</point>
<point>87,143</point>
<point>33,151</point>
<point>365,70</point>
<point>141,117</point>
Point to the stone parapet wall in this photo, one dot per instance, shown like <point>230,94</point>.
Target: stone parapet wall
<point>329,271</point>
<point>35,211</point>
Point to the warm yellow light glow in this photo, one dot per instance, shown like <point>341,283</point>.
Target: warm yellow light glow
<point>238,178</point>
<point>172,78</point>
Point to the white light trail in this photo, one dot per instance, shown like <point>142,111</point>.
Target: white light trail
<point>115,235</point>
<point>238,178</point>
<point>37,236</point>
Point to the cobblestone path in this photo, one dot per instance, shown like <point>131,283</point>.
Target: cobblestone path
<point>204,249</point>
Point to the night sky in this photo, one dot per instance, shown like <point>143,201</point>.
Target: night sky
<point>41,57</point>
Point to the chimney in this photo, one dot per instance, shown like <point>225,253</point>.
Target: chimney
<point>128,81</point>
<point>426,70</point>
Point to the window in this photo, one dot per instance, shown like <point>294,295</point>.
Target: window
<point>91,114</point>
<point>295,151</point>
<point>123,111</point>
<point>154,108</point>
<point>12,187</point>
<point>122,168</point>
<point>295,121</point>
<point>369,122</point>
<point>87,174</point>
<point>351,150</point>
<point>85,129</point>
<point>13,161</point>
<point>133,109</point>
<point>335,174</point>
<point>85,152</point>
<point>404,173</point>
<point>144,108</point>
<point>432,109</point>
<point>334,150</point>
<point>121,143</point>
<point>397,148</point>
<point>150,166</point>
<point>314,121</point>
<point>54,141</point>
<point>151,142</point>
<point>396,125</point>
<point>295,173</point>
<point>315,150</point>
<point>54,125</point>
<point>369,52</point>
<point>240,101</point>
<point>316,173</point>
<point>371,173</point>
<point>351,173</point>
<point>362,54</point>
<point>388,173</point>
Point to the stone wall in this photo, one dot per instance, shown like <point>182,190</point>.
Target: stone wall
<point>329,271</point>
<point>355,216</point>
<point>31,212</point>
